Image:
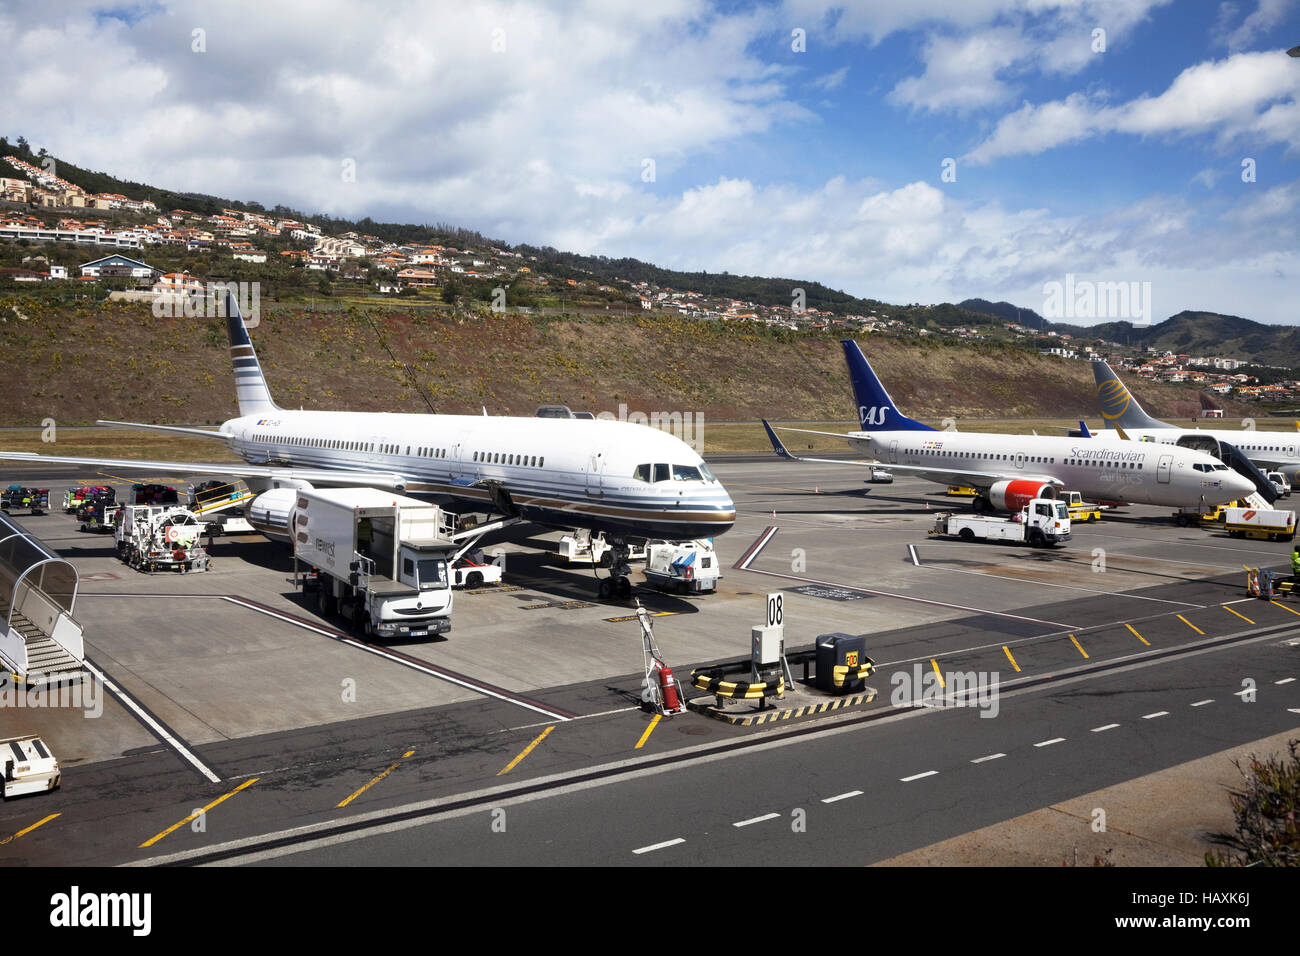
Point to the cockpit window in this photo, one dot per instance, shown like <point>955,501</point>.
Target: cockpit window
<point>686,473</point>
<point>642,473</point>
<point>661,473</point>
<point>704,470</point>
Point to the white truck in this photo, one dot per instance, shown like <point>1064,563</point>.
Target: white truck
<point>1043,523</point>
<point>1280,482</point>
<point>378,559</point>
<point>28,767</point>
<point>682,566</point>
<point>1260,523</point>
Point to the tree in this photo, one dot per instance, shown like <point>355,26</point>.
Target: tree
<point>451,291</point>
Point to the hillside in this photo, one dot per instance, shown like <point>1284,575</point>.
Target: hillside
<point>1187,333</point>
<point>83,361</point>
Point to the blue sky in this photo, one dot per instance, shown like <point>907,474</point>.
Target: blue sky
<point>536,122</point>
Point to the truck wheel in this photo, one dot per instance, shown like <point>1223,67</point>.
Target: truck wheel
<point>1036,539</point>
<point>966,534</point>
<point>474,580</point>
<point>623,587</point>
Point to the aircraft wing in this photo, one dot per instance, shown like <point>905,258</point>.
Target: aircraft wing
<point>317,476</point>
<point>967,478</point>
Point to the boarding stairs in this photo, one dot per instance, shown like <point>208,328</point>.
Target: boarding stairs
<point>39,659</point>
<point>221,498</point>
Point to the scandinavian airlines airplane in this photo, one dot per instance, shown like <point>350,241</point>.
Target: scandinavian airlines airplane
<point>620,479</point>
<point>1120,410</point>
<point>1010,470</point>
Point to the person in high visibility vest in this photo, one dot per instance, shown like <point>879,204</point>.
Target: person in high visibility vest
<point>1295,565</point>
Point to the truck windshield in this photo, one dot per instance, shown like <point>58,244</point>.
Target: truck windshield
<point>433,574</point>
<point>1062,511</point>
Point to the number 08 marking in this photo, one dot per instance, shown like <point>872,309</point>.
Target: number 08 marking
<point>775,609</point>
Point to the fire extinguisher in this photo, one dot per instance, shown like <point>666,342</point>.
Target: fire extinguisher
<point>667,688</point>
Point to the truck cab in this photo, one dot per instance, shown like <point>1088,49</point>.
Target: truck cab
<point>1280,483</point>
<point>415,602</point>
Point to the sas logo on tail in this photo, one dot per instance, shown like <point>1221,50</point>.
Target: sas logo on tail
<point>873,415</point>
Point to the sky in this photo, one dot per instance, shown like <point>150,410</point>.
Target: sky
<point>903,150</point>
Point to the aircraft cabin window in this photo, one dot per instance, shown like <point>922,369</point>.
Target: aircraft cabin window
<point>661,472</point>
<point>541,461</point>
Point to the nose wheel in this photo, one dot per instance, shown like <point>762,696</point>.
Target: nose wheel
<point>617,585</point>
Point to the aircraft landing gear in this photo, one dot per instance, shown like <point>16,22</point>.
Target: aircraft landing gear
<point>979,504</point>
<point>617,584</point>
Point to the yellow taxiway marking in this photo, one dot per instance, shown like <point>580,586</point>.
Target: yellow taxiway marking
<point>27,830</point>
<point>376,780</point>
<point>938,673</point>
<point>646,736</point>
<point>1285,608</point>
<point>195,815</point>
<point>1137,635</point>
<point>526,751</point>
<point>1242,616</point>
<point>1007,650</point>
<point>1078,647</point>
<point>1189,624</point>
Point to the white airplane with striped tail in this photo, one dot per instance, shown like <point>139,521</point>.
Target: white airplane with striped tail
<point>1008,471</point>
<point>614,478</point>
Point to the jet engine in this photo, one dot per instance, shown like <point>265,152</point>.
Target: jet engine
<point>1015,494</point>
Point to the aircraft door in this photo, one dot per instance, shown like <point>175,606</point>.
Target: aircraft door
<point>1020,461</point>
<point>596,471</point>
<point>1162,470</point>
<point>893,452</point>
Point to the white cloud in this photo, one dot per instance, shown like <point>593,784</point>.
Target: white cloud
<point>1251,94</point>
<point>832,81</point>
<point>1268,14</point>
<point>962,72</point>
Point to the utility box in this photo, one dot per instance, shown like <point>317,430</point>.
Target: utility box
<point>839,650</point>
<point>767,645</point>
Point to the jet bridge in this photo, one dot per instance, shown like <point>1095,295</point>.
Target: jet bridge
<point>1234,458</point>
<point>40,640</point>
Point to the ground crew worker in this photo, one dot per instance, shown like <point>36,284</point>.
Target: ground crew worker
<point>1295,565</point>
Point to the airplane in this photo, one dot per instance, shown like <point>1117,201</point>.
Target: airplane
<point>1274,450</point>
<point>1008,471</point>
<point>617,478</point>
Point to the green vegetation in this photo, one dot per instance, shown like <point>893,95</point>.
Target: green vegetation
<point>1266,811</point>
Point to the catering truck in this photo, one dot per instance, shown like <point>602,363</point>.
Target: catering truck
<point>1261,523</point>
<point>1043,522</point>
<point>378,559</point>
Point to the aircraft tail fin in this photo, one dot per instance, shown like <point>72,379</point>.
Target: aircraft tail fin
<point>1118,406</point>
<point>250,384</point>
<point>876,410</point>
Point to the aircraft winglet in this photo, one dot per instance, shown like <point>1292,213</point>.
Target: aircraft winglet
<point>777,446</point>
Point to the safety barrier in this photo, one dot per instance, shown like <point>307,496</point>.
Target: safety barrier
<point>710,679</point>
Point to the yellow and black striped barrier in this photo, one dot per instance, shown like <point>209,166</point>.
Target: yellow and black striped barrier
<point>710,679</point>
<point>753,718</point>
<point>843,674</point>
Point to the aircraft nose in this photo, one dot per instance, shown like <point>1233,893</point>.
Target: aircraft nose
<point>1240,485</point>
